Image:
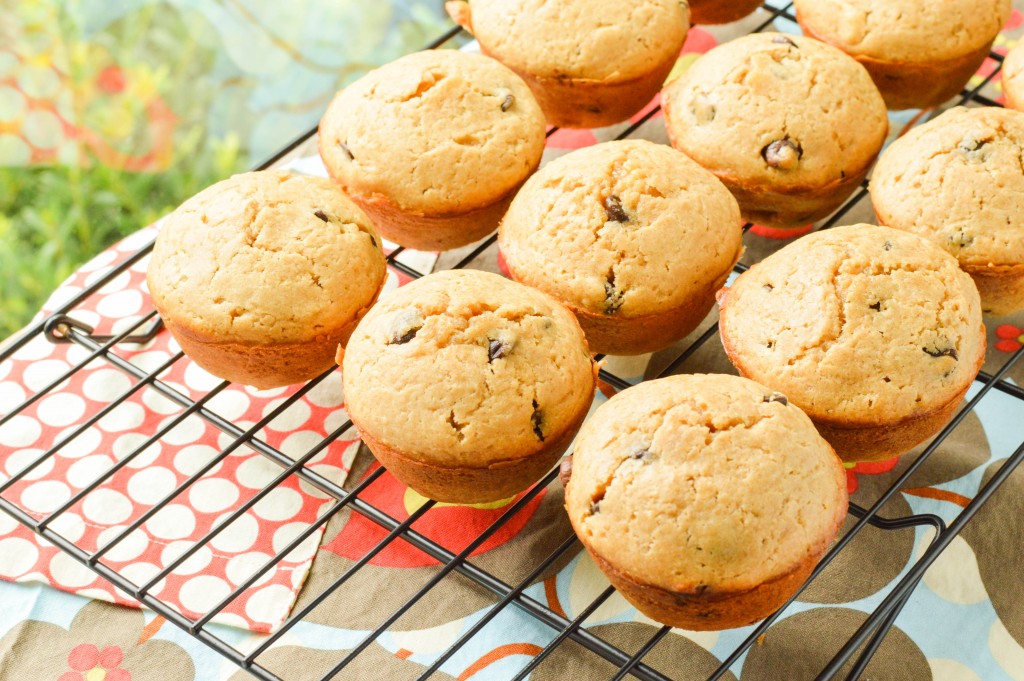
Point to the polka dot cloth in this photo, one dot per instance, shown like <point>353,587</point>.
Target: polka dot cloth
<point>209,575</point>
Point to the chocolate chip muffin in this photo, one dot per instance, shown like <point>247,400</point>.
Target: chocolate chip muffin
<point>262,275</point>
<point>468,387</point>
<point>433,146</point>
<point>920,53</point>
<point>874,332</point>
<point>720,11</point>
<point>789,124</point>
<point>1013,77</point>
<point>957,181</point>
<point>706,500</point>
<point>633,237</point>
<point>591,63</point>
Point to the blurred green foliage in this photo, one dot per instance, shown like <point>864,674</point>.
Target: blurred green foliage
<point>55,218</point>
<point>157,99</point>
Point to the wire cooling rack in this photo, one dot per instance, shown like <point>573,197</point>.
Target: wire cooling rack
<point>62,327</point>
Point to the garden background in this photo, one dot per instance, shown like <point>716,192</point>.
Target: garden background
<point>112,113</point>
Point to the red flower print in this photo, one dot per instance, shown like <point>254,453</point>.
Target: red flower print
<point>867,468</point>
<point>1010,338</point>
<point>89,663</point>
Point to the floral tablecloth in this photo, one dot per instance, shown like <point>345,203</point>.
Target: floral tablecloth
<point>965,622</point>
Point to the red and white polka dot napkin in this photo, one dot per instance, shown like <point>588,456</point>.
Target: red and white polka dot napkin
<point>202,581</point>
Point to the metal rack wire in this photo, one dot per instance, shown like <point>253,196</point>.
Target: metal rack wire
<point>62,327</point>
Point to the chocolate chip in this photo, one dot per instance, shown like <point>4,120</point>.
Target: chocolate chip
<point>783,40</point>
<point>320,214</point>
<point>777,397</point>
<point>973,149</point>
<point>960,240</point>
<point>614,210</point>
<point>783,154</point>
<point>768,287</point>
<point>876,306</point>
<point>497,349</point>
<point>770,344</point>
<point>506,104</point>
<point>346,151</point>
<point>886,379</point>
<point>405,337</point>
<point>640,453</point>
<point>537,419</point>
<point>565,470</point>
<point>888,245</point>
<point>612,296</point>
<point>372,240</point>
<point>948,352</point>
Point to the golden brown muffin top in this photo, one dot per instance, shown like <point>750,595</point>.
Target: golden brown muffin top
<point>958,181</point>
<point>629,228</point>
<point>435,132</point>
<point>859,325</point>
<point>703,484</point>
<point>266,257</point>
<point>601,40</point>
<point>905,30</point>
<point>777,111</point>
<point>467,368</point>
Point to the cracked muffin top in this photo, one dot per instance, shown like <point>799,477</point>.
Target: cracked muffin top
<point>905,30</point>
<point>704,484</point>
<point>858,325</point>
<point>467,368</point>
<point>631,228</point>
<point>600,40</point>
<point>958,180</point>
<point>440,131</point>
<point>778,111</point>
<point>266,257</point>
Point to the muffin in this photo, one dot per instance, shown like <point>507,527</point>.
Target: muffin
<point>706,500</point>
<point>633,237</point>
<point>957,181</point>
<point>1013,77</point>
<point>591,63</point>
<point>789,124</point>
<point>874,332</point>
<point>920,53</point>
<point>720,11</point>
<point>433,146</point>
<point>468,387</point>
<point>261,276</point>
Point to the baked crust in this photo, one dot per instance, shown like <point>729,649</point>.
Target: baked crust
<point>792,206</point>
<point>917,85</point>
<point>720,11</point>
<point>475,485</point>
<point>262,365</point>
<point>440,232</point>
<point>708,610</point>
<point>618,335</point>
<point>707,607</point>
<point>875,439</point>
<point>1001,287</point>
<point>581,103</point>
<point>726,113</point>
